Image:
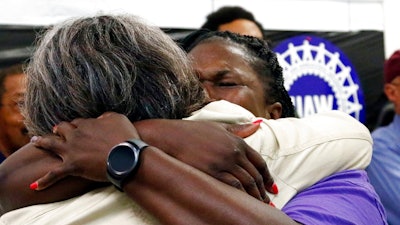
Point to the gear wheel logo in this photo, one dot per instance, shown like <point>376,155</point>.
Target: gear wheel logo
<point>319,77</point>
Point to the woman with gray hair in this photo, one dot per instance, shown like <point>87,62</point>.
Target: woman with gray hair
<point>86,67</point>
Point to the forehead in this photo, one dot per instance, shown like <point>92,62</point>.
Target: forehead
<point>14,83</point>
<point>220,58</point>
<point>217,50</point>
<point>396,79</point>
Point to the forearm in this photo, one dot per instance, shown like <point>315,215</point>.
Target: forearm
<point>176,193</point>
<point>22,168</point>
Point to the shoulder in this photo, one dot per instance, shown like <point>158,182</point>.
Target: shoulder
<point>222,111</point>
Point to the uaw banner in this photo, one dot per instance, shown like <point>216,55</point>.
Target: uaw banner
<point>319,77</point>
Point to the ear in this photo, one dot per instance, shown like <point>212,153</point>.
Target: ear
<point>274,111</point>
<point>390,92</point>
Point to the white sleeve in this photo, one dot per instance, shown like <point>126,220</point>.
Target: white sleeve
<point>300,152</point>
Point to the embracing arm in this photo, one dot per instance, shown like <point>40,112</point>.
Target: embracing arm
<point>25,166</point>
<point>168,188</point>
<point>177,191</point>
<point>220,155</point>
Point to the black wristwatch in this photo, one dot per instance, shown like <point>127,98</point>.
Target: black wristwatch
<point>123,161</point>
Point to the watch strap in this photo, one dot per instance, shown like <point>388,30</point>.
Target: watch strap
<point>138,143</point>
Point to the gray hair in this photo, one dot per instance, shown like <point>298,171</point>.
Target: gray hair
<point>87,66</point>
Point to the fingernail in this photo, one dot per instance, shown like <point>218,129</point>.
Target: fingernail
<point>55,129</point>
<point>275,189</point>
<point>34,185</point>
<point>34,139</point>
<point>257,121</point>
<point>272,204</point>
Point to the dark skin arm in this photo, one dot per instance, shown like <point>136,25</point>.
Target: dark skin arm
<point>193,195</point>
<point>168,188</point>
<point>22,169</point>
<point>26,165</point>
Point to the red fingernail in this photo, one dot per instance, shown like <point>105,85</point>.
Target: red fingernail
<point>275,189</point>
<point>272,204</point>
<point>34,185</point>
<point>257,121</point>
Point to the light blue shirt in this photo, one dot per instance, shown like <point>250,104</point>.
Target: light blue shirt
<point>384,170</point>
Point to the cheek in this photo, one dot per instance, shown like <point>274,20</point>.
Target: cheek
<point>248,101</point>
<point>243,96</point>
<point>13,119</point>
<point>254,102</point>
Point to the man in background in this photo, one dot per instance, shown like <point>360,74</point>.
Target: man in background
<point>384,170</point>
<point>13,134</point>
<point>234,19</point>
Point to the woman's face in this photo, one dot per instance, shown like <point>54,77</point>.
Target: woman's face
<point>226,75</point>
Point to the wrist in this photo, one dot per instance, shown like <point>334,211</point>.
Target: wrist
<point>123,161</point>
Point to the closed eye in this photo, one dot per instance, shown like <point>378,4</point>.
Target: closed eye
<point>226,84</point>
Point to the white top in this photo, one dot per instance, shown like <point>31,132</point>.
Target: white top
<point>298,152</point>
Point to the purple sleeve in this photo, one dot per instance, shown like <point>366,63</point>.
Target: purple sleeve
<point>343,198</point>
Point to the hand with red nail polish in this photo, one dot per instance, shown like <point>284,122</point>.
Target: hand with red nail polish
<point>83,154</point>
<point>243,167</point>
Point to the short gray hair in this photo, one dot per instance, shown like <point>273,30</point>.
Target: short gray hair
<point>84,67</point>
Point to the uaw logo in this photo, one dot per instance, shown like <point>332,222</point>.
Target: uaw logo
<point>319,77</point>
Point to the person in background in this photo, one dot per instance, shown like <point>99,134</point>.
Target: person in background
<point>384,170</point>
<point>235,19</point>
<point>13,134</point>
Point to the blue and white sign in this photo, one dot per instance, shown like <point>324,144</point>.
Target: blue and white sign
<point>319,77</point>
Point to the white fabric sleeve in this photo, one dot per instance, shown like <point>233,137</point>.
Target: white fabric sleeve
<point>300,152</point>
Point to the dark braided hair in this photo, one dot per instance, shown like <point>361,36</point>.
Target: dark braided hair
<point>260,57</point>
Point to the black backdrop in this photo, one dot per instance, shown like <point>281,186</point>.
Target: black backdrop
<point>365,50</point>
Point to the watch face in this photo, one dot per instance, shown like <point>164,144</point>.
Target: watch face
<point>123,159</point>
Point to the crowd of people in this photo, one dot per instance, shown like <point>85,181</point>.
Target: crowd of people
<point>222,147</point>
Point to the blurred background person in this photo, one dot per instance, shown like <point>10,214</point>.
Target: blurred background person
<point>234,19</point>
<point>13,134</point>
<point>384,170</point>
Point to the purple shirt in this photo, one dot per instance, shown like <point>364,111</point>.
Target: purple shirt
<point>333,200</point>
